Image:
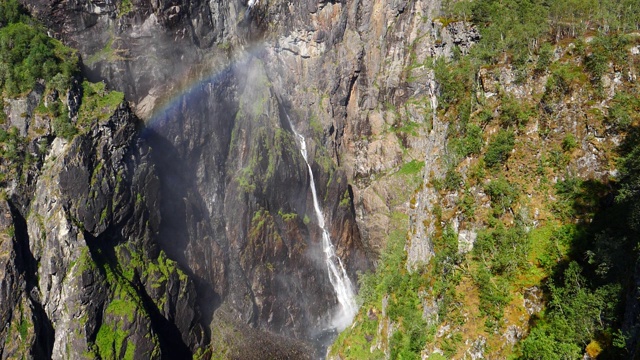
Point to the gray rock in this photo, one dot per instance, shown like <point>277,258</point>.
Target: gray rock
<point>533,300</point>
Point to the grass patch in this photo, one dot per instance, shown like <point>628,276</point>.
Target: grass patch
<point>413,167</point>
<point>98,104</point>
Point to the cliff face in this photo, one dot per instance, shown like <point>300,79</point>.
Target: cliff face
<point>83,273</point>
<point>217,85</point>
<point>195,223</point>
<point>339,69</point>
<point>236,207</point>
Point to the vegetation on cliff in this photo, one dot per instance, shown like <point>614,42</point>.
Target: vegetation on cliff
<point>27,54</point>
<point>33,63</point>
<point>554,227</point>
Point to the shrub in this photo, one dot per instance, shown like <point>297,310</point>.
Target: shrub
<point>508,26</point>
<point>503,249</point>
<point>514,113</point>
<point>63,127</point>
<point>484,116</point>
<point>569,143</point>
<point>468,205</point>
<point>413,167</point>
<point>502,194</point>
<point>564,78</point>
<point>596,64</point>
<point>11,12</point>
<point>623,109</point>
<point>471,143</point>
<point>452,179</point>
<point>499,148</point>
<point>494,295</point>
<point>455,82</point>
<point>98,103</point>
<point>545,56</point>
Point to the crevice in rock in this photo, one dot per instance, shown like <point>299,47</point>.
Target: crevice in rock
<point>28,267</point>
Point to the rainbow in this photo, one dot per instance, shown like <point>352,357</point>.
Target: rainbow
<point>192,85</point>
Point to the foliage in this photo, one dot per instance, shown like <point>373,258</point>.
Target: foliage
<point>545,57</point>
<point>110,340</point>
<point>569,143</point>
<point>467,205</point>
<point>502,194</point>
<point>126,6</point>
<point>576,256</point>
<point>499,148</point>
<point>470,144</point>
<point>514,113</point>
<point>502,249</point>
<point>586,292</point>
<point>287,216</point>
<point>63,127</point>
<point>512,26</point>
<point>629,167</point>
<point>444,271</point>
<point>404,302</point>
<point>27,54</point>
<point>345,200</point>
<point>413,167</point>
<point>623,111</point>
<point>14,157</point>
<point>565,77</point>
<point>578,198</point>
<point>501,252</point>
<point>575,315</point>
<point>11,11</point>
<point>452,179</point>
<point>97,102</point>
<point>454,81</point>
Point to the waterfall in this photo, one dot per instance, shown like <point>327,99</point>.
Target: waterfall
<point>337,274</point>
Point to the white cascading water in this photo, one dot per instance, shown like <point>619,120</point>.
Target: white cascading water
<point>337,274</point>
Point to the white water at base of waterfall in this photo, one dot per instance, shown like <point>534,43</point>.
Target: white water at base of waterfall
<point>337,274</point>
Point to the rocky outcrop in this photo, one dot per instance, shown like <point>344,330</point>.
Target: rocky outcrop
<point>82,273</point>
<point>91,224</point>
<point>247,229</point>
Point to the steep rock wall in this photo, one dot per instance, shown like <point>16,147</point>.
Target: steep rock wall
<point>216,81</point>
<point>236,185</point>
<point>83,273</point>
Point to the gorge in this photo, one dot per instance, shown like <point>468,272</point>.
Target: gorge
<point>349,179</point>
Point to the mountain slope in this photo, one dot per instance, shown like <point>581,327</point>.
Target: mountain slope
<point>466,150</point>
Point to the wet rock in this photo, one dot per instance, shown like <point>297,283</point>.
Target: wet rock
<point>235,208</point>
